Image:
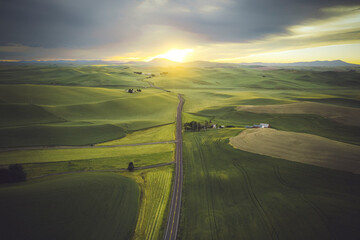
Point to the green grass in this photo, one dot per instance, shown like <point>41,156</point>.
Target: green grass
<point>345,102</point>
<point>59,115</point>
<point>231,194</point>
<point>244,77</point>
<point>93,76</point>
<point>59,155</point>
<point>45,95</point>
<point>155,134</point>
<point>25,114</point>
<point>75,206</point>
<point>59,134</point>
<point>153,106</point>
<point>155,185</point>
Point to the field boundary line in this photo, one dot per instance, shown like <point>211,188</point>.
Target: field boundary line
<point>105,170</point>
<point>80,147</point>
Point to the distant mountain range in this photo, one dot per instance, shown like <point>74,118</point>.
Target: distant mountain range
<point>168,63</point>
<point>335,63</point>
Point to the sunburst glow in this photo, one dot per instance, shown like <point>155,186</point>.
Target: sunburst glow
<point>177,55</point>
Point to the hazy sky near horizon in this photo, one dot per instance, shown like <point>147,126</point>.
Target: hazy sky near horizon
<point>226,31</point>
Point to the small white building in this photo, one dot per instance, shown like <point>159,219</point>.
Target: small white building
<point>264,125</point>
<point>214,126</point>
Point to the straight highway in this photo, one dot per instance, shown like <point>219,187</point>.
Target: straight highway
<point>174,214</point>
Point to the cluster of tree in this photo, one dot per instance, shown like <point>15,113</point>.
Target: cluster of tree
<point>138,73</point>
<point>131,166</point>
<point>14,173</point>
<point>131,90</point>
<point>197,126</point>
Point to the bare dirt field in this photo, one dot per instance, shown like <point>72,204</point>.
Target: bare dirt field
<point>300,147</point>
<point>345,115</point>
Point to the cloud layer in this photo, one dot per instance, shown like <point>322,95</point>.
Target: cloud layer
<point>128,26</point>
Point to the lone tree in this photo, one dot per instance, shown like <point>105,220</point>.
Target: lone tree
<point>14,173</point>
<point>131,166</point>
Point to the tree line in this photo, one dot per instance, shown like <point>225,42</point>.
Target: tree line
<point>197,126</point>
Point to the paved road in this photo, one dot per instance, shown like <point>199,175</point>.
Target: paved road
<point>76,147</point>
<point>174,214</point>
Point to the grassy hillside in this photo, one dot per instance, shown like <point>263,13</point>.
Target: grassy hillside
<point>25,114</point>
<point>155,134</point>
<point>56,115</point>
<point>93,76</point>
<point>230,193</point>
<point>57,155</point>
<point>155,107</point>
<point>245,77</point>
<point>77,206</point>
<point>58,134</point>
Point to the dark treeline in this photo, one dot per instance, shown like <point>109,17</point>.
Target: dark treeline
<point>197,126</point>
<point>14,173</point>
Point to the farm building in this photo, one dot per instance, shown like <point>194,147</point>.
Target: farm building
<point>261,125</point>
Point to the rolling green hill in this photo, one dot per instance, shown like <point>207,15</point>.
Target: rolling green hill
<point>76,206</point>
<point>35,115</point>
<point>93,76</point>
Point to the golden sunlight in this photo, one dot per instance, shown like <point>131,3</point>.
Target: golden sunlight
<point>177,55</point>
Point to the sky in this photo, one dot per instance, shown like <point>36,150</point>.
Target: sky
<point>180,30</point>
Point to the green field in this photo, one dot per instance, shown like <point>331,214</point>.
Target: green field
<point>92,76</point>
<point>228,193</point>
<point>155,134</point>
<point>38,115</point>
<point>231,194</point>
<point>155,185</point>
<point>76,206</point>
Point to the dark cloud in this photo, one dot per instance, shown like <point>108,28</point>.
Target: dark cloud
<point>85,23</point>
<point>241,21</point>
<point>61,23</point>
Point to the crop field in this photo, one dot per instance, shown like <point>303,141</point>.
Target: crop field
<point>155,185</point>
<point>155,134</point>
<point>303,123</point>
<point>345,115</point>
<point>229,193</point>
<point>74,206</point>
<point>247,77</point>
<point>300,147</point>
<point>42,162</point>
<point>92,76</point>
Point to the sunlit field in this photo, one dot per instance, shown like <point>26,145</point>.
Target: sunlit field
<point>255,192</point>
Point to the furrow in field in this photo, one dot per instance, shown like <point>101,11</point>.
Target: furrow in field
<point>303,197</point>
<point>272,233</point>
<point>210,204</point>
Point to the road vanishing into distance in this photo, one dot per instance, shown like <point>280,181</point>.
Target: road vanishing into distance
<point>174,214</point>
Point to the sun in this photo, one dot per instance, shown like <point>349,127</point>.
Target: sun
<point>177,55</point>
